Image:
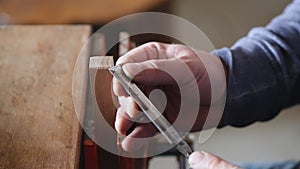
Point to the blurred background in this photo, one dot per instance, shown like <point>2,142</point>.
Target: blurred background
<point>223,22</point>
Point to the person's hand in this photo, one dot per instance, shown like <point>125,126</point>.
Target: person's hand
<point>203,160</point>
<point>145,65</point>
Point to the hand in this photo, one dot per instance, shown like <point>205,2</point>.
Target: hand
<point>203,160</point>
<point>144,64</point>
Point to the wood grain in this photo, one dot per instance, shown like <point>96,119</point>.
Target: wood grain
<point>38,124</point>
<point>100,79</point>
<point>101,84</point>
<point>101,89</point>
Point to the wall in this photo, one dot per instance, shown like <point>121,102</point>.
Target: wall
<point>226,21</point>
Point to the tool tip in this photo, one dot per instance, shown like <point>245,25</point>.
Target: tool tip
<point>113,69</point>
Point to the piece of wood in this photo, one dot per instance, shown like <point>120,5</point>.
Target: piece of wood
<point>100,79</point>
<point>132,45</point>
<point>100,82</point>
<point>90,154</point>
<point>101,63</point>
<point>38,124</point>
<point>124,43</point>
<point>102,91</point>
<point>69,11</point>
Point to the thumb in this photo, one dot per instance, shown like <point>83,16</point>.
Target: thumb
<point>152,72</point>
<point>203,160</point>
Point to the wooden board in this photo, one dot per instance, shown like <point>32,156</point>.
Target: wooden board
<point>38,124</point>
<point>124,43</point>
<point>101,91</point>
<point>100,79</point>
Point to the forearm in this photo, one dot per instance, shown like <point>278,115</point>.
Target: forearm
<point>263,70</point>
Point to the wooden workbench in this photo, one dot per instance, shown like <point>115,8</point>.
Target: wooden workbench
<point>69,11</point>
<point>38,124</point>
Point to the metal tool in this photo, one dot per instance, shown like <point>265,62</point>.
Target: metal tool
<point>168,131</point>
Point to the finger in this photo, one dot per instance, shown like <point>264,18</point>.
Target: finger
<point>167,72</point>
<point>130,107</point>
<point>153,51</point>
<point>159,72</point>
<point>148,51</point>
<point>201,160</point>
<point>139,54</point>
<point>118,88</point>
<point>134,140</point>
<point>123,122</point>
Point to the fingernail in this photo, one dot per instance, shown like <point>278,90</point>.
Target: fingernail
<point>132,69</point>
<point>195,158</point>
<point>117,126</point>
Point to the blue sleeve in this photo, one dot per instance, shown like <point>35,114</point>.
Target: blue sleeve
<point>263,70</point>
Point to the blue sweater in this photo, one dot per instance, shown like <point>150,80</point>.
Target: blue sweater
<point>263,70</point>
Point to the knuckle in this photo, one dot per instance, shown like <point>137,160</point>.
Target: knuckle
<point>122,60</point>
<point>212,161</point>
<point>153,45</point>
<point>157,46</point>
